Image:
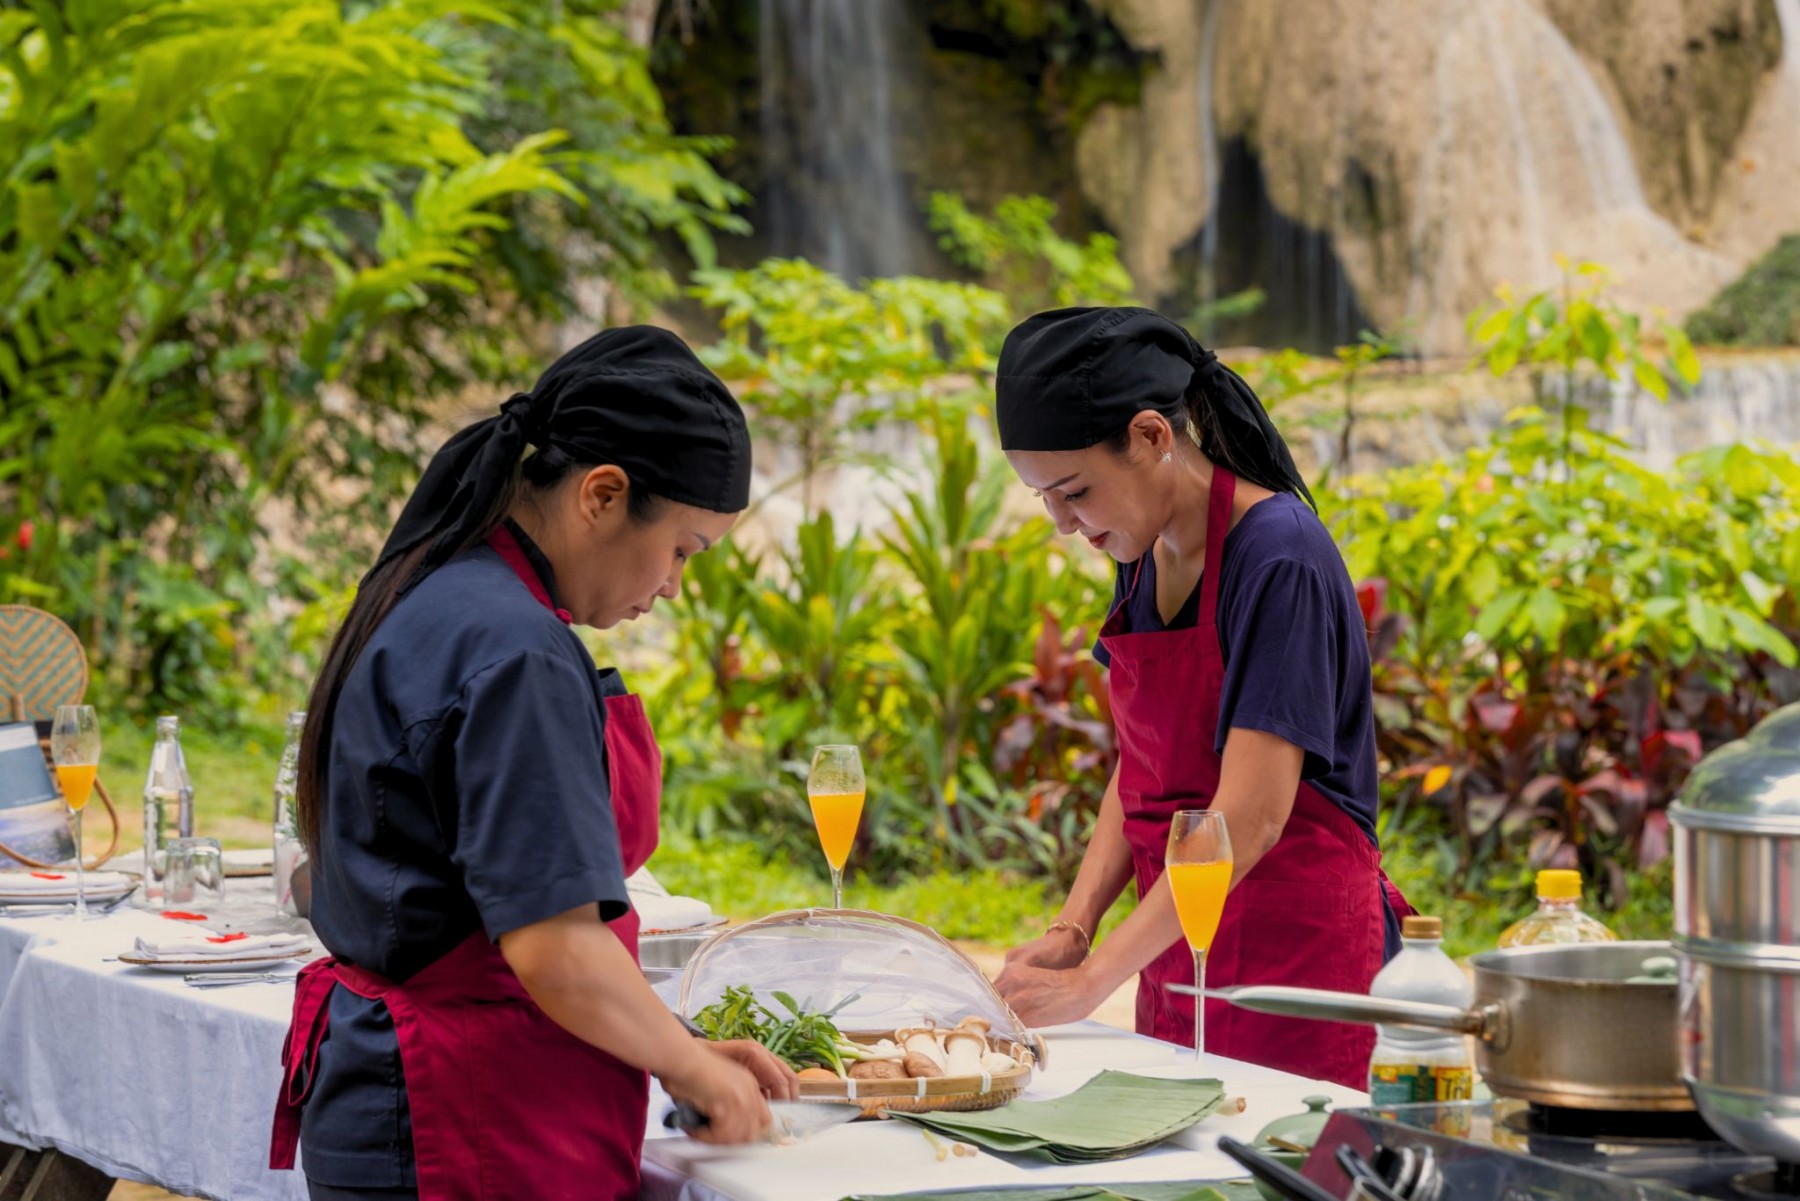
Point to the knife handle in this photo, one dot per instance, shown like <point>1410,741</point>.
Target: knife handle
<point>685,1117</point>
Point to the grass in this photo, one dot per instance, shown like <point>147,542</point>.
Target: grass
<point>233,775</point>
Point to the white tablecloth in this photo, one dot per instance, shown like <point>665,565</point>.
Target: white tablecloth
<point>151,1080</point>
<point>892,1157</point>
<point>133,1071</point>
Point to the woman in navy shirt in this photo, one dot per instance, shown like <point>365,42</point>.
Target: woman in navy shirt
<point>1239,682</point>
<point>474,794</point>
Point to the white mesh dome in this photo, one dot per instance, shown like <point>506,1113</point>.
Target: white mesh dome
<point>899,972</point>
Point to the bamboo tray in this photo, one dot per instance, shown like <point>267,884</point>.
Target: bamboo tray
<point>928,1094</point>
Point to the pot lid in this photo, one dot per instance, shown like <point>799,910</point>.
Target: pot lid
<point>1301,1129</point>
<point>1750,785</point>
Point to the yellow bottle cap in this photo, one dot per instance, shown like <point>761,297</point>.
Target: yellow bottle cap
<point>1559,885</point>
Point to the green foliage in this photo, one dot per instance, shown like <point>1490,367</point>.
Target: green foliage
<point>1761,307</point>
<point>911,645</point>
<point>821,359</point>
<point>1560,632</point>
<point>1019,252</point>
<point>1208,315</point>
<point>220,220</point>
<point>1557,334</point>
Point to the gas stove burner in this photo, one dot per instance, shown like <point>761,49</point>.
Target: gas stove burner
<point>1781,1184</point>
<point>1612,1125</point>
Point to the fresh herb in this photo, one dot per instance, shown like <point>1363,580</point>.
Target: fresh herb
<point>801,1039</point>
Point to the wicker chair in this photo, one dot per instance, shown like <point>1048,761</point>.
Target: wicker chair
<point>43,665</point>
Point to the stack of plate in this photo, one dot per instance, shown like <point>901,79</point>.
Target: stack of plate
<point>203,950</point>
<point>36,890</point>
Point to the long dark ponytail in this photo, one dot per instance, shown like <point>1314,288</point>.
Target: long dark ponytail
<point>1207,428</point>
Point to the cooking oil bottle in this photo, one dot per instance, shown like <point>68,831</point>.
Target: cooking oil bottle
<point>1413,1065</point>
<point>1559,917</point>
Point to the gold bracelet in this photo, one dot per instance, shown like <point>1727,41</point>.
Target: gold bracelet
<point>1063,923</point>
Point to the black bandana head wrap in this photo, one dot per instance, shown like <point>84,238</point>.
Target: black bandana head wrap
<point>634,397</point>
<point>1072,378</point>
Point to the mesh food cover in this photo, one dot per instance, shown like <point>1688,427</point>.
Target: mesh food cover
<point>895,973</point>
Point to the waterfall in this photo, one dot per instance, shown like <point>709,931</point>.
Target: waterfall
<point>1210,161</point>
<point>835,194</point>
<point>1749,400</point>
<point>1560,177</point>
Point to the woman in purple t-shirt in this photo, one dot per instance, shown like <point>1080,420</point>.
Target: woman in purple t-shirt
<point>1239,683</point>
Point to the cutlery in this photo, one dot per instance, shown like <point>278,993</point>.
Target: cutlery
<point>227,979</point>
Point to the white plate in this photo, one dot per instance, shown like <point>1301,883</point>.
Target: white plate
<point>250,964</point>
<point>64,898</point>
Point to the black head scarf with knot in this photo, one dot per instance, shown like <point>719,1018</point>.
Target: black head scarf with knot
<point>634,397</point>
<point>1073,378</point>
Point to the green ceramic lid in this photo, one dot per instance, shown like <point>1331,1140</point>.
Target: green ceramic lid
<point>1301,1129</point>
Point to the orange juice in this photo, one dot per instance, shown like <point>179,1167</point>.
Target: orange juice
<point>836,814</point>
<point>1200,898</point>
<point>77,782</point>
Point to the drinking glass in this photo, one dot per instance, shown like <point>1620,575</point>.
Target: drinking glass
<point>75,750</point>
<point>835,789</point>
<point>195,874</point>
<point>1199,870</point>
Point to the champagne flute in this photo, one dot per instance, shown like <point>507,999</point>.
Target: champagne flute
<point>1199,869</point>
<point>75,749</point>
<point>835,789</point>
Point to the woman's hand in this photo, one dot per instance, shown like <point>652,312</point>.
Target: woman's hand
<point>1048,996</point>
<point>776,1078</point>
<point>713,1081</point>
<point>1060,948</point>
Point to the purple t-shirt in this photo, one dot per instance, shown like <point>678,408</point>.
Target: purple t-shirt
<point>1295,647</point>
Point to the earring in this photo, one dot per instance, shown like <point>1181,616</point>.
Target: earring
<point>1167,455</point>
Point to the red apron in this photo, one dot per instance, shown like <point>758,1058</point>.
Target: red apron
<point>505,1103</point>
<point>1309,914</point>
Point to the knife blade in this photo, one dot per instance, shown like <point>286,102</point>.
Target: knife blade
<point>793,1121</point>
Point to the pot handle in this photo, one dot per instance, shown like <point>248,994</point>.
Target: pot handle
<point>1354,1007</point>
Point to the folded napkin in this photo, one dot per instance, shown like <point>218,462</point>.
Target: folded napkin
<point>25,884</point>
<point>207,944</point>
<point>670,913</point>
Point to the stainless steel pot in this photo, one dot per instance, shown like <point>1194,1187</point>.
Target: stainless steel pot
<point>1737,933</point>
<point>670,952</point>
<point>1558,1025</point>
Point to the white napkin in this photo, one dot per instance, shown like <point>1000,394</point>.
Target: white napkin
<point>670,913</point>
<point>32,884</point>
<point>195,945</point>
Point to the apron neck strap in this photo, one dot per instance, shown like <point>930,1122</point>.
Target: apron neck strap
<point>513,555</point>
<point>1218,524</point>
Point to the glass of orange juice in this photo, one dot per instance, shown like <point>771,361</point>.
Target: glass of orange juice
<point>75,749</point>
<point>835,789</point>
<point>1198,864</point>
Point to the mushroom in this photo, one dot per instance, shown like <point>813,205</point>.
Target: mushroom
<point>963,1050</point>
<point>977,1025</point>
<point>919,1065</point>
<point>998,1061</point>
<point>923,1040</point>
<point>877,1069</point>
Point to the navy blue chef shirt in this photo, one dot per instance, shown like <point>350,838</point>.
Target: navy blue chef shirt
<point>1295,647</point>
<point>467,790</point>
